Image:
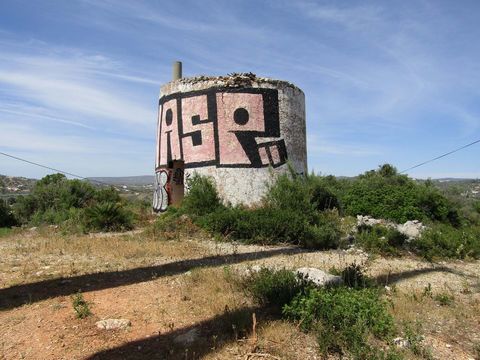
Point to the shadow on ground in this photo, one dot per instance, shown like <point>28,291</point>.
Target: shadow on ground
<point>211,335</point>
<point>392,278</point>
<point>19,295</point>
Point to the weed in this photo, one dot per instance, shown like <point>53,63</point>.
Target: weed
<point>81,307</point>
<point>5,231</point>
<point>353,276</point>
<point>415,339</point>
<point>443,241</point>
<point>108,216</point>
<point>202,197</point>
<point>380,239</point>
<point>427,291</point>
<point>274,288</point>
<point>344,319</point>
<point>444,299</point>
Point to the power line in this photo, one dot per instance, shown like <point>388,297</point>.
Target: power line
<point>50,168</point>
<point>441,156</point>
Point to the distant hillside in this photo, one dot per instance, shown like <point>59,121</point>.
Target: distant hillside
<point>15,185</point>
<point>125,180</point>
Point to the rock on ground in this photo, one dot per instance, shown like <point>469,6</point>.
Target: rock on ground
<point>319,277</point>
<point>113,324</point>
<point>412,228</point>
<point>188,338</point>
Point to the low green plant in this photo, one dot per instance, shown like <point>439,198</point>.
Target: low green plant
<point>415,340</point>
<point>6,217</point>
<point>344,319</point>
<point>274,288</point>
<point>444,241</point>
<point>427,291</point>
<point>202,197</point>
<point>444,299</point>
<point>80,306</point>
<point>5,231</point>
<point>380,239</point>
<point>168,225</point>
<point>108,216</point>
<point>354,277</point>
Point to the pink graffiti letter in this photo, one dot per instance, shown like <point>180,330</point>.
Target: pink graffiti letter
<point>237,113</point>
<point>169,143</point>
<point>198,135</point>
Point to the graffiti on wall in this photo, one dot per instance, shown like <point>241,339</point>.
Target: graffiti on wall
<point>161,196</point>
<point>221,127</point>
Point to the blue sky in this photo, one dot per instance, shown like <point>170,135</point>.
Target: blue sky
<point>395,81</point>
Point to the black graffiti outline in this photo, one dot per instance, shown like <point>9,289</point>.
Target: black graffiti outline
<point>245,138</point>
<point>161,196</point>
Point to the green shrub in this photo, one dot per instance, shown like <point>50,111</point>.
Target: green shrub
<point>80,306</point>
<point>353,276</point>
<point>108,216</point>
<point>325,234</point>
<point>75,205</point>
<point>444,299</point>
<point>274,288</point>
<point>6,217</point>
<point>291,191</point>
<point>202,197</point>
<point>443,241</point>
<point>386,194</point>
<point>380,239</point>
<point>268,225</point>
<point>344,318</point>
<point>171,224</point>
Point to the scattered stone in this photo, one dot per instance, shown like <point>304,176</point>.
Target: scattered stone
<point>401,343</point>
<point>448,346</point>
<point>413,229</point>
<point>113,324</point>
<point>188,338</point>
<point>319,277</point>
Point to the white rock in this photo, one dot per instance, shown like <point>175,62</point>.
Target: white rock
<point>113,324</point>
<point>187,338</point>
<point>412,229</point>
<point>401,342</point>
<point>319,277</point>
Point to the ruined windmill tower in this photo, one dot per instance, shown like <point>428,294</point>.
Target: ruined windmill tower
<point>237,129</point>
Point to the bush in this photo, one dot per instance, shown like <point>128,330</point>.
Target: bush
<point>171,224</point>
<point>80,306</point>
<point>274,288</point>
<point>443,241</point>
<point>6,217</point>
<point>386,194</point>
<point>108,216</point>
<point>325,234</point>
<point>380,239</point>
<point>353,277</point>
<point>344,319</point>
<point>291,191</point>
<point>202,197</point>
<point>75,205</point>
<point>444,299</point>
<point>262,225</point>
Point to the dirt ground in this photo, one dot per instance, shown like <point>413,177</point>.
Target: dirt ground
<point>182,304</point>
